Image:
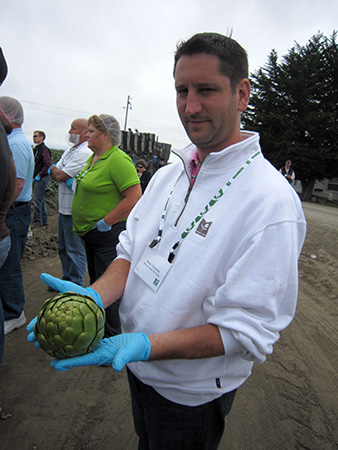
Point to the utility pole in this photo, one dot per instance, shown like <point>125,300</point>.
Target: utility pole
<point>127,108</point>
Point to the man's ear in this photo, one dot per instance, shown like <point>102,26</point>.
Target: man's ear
<point>243,90</point>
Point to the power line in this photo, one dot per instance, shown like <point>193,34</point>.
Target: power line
<point>53,109</point>
<point>71,112</point>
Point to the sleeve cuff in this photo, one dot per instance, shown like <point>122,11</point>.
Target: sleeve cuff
<point>230,343</point>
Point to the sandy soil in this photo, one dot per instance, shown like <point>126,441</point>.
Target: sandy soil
<point>290,402</point>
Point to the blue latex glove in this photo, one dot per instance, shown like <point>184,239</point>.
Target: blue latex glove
<point>69,183</point>
<point>37,178</point>
<point>31,336</point>
<point>117,350</point>
<point>61,286</point>
<point>102,226</point>
<point>67,286</point>
<point>49,169</point>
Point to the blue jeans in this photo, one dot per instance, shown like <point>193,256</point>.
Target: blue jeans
<point>163,425</point>
<point>5,245</point>
<point>11,283</point>
<point>40,211</point>
<point>101,251</point>
<point>71,251</point>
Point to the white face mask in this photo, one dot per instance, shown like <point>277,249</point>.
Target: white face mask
<point>72,139</point>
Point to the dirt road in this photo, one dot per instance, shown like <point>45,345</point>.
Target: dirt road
<point>290,402</point>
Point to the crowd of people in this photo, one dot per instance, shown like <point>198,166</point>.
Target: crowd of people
<point>98,185</point>
<point>108,188</point>
<point>204,272</point>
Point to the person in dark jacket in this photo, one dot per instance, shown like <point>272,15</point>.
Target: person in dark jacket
<point>41,179</point>
<point>288,172</point>
<point>143,173</point>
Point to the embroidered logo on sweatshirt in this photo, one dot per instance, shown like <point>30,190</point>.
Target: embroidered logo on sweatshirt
<point>203,228</point>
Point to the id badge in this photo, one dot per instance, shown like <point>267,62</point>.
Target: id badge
<point>152,268</point>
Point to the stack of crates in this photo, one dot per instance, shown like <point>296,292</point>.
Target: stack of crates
<point>145,146</point>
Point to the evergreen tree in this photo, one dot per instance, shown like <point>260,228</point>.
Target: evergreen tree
<point>294,107</point>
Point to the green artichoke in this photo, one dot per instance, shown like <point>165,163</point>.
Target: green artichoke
<point>69,325</point>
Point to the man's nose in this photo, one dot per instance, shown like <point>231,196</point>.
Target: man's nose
<point>193,104</point>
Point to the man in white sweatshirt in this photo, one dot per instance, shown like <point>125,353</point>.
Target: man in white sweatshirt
<point>207,267</point>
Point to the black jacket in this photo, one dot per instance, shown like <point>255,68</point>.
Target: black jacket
<point>43,160</point>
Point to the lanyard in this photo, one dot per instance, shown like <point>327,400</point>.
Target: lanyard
<point>80,176</point>
<point>204,211</point>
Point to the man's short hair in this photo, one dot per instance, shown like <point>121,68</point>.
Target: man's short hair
<point>233,57</point>
<point>40,133</point>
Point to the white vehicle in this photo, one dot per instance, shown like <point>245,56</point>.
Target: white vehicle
<point>328,188</point>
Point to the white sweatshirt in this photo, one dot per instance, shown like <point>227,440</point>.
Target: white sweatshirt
<point>239,271</point>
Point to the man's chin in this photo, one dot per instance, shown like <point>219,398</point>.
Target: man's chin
<point>198,138</point>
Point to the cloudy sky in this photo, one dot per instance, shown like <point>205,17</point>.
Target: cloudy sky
<point>75,58</point>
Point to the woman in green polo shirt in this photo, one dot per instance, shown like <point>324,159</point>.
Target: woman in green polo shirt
<point>107,189</point>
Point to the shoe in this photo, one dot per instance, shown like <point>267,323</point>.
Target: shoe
<point>13,324</point>
<point>35,225</point>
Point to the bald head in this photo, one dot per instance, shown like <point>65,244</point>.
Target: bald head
<point>79,126</point>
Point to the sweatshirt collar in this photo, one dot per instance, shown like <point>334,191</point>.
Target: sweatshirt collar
<point>233,155</point>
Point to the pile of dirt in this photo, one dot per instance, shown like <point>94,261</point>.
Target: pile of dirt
<point>42,241</point>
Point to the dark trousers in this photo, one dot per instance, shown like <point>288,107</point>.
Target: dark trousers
<point>163,425</point>
<point>40,214</point>
<point>5,245</point>
<point>11,282</point>
<point>101,251</point>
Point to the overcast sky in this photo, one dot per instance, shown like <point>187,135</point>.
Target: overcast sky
<point>74,58</point>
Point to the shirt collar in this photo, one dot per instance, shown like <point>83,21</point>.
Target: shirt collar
<point>195,161</point>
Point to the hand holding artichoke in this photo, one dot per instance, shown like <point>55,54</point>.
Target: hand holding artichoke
<point>117,350</point>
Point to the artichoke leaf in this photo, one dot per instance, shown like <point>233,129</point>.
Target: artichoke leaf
<point>50,329</point>
<point>69,335</point>
<point>59,341</point>
<point>83,341</point>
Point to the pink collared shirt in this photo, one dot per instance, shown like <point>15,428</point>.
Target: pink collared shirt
<point>194,167</point>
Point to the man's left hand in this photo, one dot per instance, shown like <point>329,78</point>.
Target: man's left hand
<point>117,350</point>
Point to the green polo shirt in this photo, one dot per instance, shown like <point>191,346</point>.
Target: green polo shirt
<point>98,189</point>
